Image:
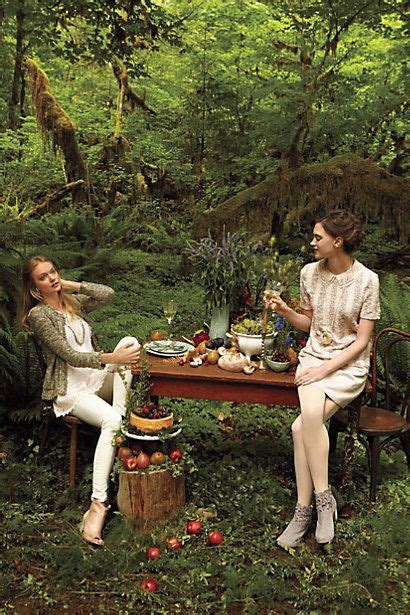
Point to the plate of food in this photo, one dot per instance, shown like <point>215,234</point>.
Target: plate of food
<point>167,348</point>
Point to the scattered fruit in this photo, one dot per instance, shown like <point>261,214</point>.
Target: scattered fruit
<point>120,440</point>
<point>194,527</point>
<point>136,448</point>
<point>153,553</point>
<point>157,458</point>
<point>175,455</point>
<point>218,341</point>
<point>149,584</point>
<point>130,464</point>
<point>200,336</point>
<point>201,347</point>
<point>213,356</point>
<point>156,336</point>
<point>123,452</point>
<point>143,461</point>
<point>215,538</point>
<point>174,544</point>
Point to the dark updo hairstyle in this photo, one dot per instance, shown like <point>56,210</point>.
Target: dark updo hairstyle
<point>342,223</point>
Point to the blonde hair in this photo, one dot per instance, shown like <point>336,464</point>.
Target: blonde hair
<point>32,297</point>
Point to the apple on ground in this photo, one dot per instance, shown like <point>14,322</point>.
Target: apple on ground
<point>130,464</point>
<point>174,544</point>
<point>175,455</point>
<point>149,584</point>
<point>153,553</point>
<point>215,538</point>
<point>194,527</point>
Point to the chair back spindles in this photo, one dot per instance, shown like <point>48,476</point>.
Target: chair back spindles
<point>402,337</point>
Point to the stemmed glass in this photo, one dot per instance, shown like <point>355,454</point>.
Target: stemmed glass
<point>272,286</point>
<point>170,309</point>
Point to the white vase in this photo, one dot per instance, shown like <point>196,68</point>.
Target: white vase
<point>219,321</point>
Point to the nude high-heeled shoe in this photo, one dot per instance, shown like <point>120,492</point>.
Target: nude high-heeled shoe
<point>93,523</point>
<point>326,514</point>
<point>297,528</point>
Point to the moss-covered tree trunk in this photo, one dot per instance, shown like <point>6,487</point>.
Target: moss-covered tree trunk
<point>57,126</point>
<point>16,102</point>
<point>293,196</point>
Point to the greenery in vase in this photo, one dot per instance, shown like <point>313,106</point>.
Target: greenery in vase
<point>223,266</point>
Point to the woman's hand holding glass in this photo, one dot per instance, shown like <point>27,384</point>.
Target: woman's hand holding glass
<point>274,301</point>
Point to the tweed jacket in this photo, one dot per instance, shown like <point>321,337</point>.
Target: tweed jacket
<point>48,327</point>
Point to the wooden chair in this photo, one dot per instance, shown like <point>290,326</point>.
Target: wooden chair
<point>378,426</point>
<point>69,421</point>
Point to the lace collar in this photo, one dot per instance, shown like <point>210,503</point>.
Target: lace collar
<point>343,279</point>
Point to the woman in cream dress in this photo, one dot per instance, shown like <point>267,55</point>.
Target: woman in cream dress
<point>339,299</point>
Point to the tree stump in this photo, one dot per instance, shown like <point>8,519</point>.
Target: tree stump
<point>147,499</point>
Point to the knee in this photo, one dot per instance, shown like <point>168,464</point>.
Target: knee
<point>297,428</point>
<point>128,339</point>
<point>112,422</point>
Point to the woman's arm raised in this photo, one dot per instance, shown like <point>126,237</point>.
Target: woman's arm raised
<point>301,321</point>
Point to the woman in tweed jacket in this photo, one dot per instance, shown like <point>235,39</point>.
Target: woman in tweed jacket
<point>80,379</point>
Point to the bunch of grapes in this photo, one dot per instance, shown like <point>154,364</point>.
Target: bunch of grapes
<point>149,410</point>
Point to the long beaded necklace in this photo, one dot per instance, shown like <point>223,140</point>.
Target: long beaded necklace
<point>80,341</point>
<point>326,335</point>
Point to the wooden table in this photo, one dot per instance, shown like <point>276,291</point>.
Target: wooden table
<point>262,387</point>
<point>211,382</point>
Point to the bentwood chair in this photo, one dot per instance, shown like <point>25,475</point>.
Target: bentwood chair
<point>387,416</point>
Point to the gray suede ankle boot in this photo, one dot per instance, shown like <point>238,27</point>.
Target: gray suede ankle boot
<point>326,512</point>
<point>297,528</point>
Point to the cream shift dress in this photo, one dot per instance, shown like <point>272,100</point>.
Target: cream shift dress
<point>338,302</point>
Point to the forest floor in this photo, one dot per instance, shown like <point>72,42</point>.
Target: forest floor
<point>244,487</point>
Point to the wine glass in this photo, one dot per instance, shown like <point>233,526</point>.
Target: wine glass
<point>170,309</point>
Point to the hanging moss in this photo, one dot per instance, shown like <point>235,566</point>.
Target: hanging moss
<point>56,126</point>
<point>295,195</point>
<point>130,96</point>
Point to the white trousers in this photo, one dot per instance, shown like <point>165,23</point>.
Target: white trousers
<point>105,409</point>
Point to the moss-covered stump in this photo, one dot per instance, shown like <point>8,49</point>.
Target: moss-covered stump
<point>147,499</point>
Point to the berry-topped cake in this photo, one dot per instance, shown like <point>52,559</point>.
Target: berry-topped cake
<point>151,417</point>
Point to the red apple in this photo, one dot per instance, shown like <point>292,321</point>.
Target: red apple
<point>174,544</point>
<point>215,538</point>
<point>130,464</point>
<point>194,527</point>
<point>149,584</point>
<point>153,553</point>
<point>175,455</point>
<point>124,452</point>
<point>143,461</point>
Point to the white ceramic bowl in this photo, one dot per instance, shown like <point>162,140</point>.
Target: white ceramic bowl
<point>252,344</point>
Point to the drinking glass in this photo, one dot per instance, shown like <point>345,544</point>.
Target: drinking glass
<point>170,309</point>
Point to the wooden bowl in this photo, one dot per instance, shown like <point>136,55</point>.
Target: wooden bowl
<point>151,425</point>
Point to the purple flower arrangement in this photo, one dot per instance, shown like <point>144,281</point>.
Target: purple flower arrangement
<point>223,266</point>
